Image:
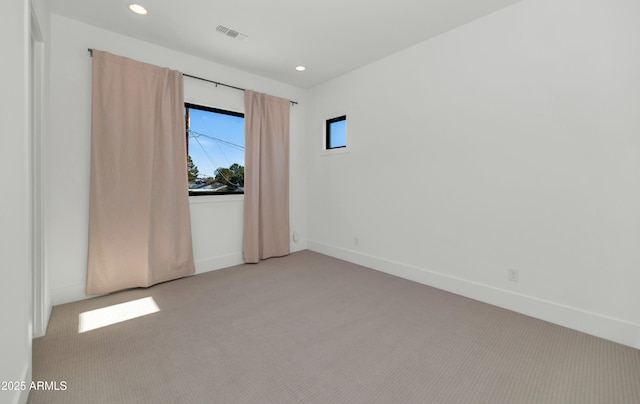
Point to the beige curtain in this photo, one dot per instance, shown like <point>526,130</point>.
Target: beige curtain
<point>139,224</point>
<point>266,192</point>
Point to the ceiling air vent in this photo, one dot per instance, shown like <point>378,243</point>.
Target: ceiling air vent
<point>230,32</point>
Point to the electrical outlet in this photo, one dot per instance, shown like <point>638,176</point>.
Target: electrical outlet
<point>513,275</point>
<point>356,241</point>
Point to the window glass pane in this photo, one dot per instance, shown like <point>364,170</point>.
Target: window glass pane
<point>216,152</point>
<point>337,133</point>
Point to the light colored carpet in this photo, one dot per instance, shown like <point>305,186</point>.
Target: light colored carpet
<point>313,329</point>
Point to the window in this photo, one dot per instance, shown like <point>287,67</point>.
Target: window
<point>336,133</point>
<point>215,150</point>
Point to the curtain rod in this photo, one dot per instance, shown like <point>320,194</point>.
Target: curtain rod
<point>217,83</point>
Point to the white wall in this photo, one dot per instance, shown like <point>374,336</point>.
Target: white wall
<point>511,142</point>
<point>216,220</point>
<point>15,243</point>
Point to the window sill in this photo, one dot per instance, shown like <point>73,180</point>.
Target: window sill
<point>208,199</point>
<point>331,152</point>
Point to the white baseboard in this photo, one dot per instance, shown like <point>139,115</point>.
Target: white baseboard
<point>68,294</point>
<point>609,328</point>
<point>223,261</point>
<point>74,293</point>
<point>230,260</point>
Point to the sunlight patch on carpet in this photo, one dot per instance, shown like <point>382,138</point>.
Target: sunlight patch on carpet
<point>94,319</point>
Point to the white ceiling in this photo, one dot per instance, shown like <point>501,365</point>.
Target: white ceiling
<point>329,37</point>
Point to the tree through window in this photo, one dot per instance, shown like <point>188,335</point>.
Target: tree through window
<point>215,153</point>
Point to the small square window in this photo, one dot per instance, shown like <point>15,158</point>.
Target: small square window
<point>336,133</point>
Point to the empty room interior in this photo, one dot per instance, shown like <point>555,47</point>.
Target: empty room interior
<point>427,201</point>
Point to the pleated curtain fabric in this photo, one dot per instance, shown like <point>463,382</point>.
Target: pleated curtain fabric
<point>266,193</point>
<point>139,220</point>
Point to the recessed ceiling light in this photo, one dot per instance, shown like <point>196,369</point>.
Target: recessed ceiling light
<point>301,68</point>
<point>138,9</point>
